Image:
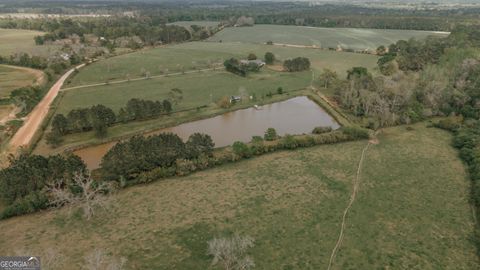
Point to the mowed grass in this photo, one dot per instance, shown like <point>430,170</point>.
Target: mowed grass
<point>12,78</point>
<point>198,89</point>
<point>202,55</point>
<point>346,38</point>
<point>21,41</point>
<point>412,212</point>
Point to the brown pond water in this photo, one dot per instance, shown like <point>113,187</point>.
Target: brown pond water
<point>297,115</point>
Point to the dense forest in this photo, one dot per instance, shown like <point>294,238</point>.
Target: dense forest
<point>285,13</point>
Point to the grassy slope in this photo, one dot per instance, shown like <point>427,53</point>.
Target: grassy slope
<point>412,211</point>
<point>199,55</point>
<point>347,38</point>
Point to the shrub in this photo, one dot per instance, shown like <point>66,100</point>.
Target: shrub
<point>279,90</point>
<point>28,204</point>
<point>240,149</point>
<point>257,146</point>
<point>450,124</point>
<point>270,134</point>
<point>269,58</point>
<point>155,174</point>
<point>224,102</point>
<point>184,167</point>
<point>320,130</point>
<point>288,142</point>
<point>356,132</point>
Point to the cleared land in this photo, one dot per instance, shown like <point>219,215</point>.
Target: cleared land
<point>12,78</point>
<point>411,211</point>
<point>346,38</point>
<point>199,55</point>
<point>21,41</point>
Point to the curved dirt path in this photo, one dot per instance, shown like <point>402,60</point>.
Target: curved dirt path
<point>34,120</point>
<point>352,200</point>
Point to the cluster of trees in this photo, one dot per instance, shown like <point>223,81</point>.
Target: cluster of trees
<point>238,67</point>
<point>283,13</point>
<point>139,109</point>
<point>296,64</point>
<point>467,140</point>
<point>166,151</point>
<point>100,117</point>
<point>24,184</point>
<point>150,30</point>
<point>438,76</point>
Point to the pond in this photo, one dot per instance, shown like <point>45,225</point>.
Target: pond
<point>297,115</point>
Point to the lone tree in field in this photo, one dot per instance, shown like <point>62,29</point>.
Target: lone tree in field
<point>231,253</point>
<point>83,191</point>
<point>269,58</point>
<point>251,56</point>
<point>327,77</point>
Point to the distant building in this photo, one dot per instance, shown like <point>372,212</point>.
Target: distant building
<point>258,62</point>
<point>65,56</point>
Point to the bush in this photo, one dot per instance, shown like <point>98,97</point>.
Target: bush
<point>450,124</point>
<point>28,204</point>
<point>270,134</point>
<point>257,146</point>
<point>184,167</point>
<point>356,132</point>
<point>320,130</point>
<point>288,142</point>
<point>155,174</point>
<point>241,150</point>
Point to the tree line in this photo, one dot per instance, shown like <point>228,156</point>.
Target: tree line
<point>99,117</point>
<point>435,77</point>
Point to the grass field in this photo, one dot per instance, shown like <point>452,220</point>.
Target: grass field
<point>12,78</point>
<point>411,212</point>
<point>346,38</point>
<point>21,41</point>
<point>199,55</point>
<point>200,23</point>
<point>198,89</point>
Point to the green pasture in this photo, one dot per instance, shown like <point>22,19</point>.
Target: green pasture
<point>203,55</point>
<point>411,211</point>
<point>345,38</point>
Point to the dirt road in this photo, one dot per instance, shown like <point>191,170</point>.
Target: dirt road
<point>24,135</point>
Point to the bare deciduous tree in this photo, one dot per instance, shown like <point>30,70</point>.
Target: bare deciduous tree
<point>90,197</point>
<point>231,253</point>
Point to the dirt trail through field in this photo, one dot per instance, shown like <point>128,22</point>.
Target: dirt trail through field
<point>34,120</point>
<point>39,75</point>
<point>352,200</point>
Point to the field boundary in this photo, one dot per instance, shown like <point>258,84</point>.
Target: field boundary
<point>142,78</point>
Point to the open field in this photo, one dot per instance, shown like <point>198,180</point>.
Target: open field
<point>12,78</point>
<point>346,38</point>
<point>198,89</point>
<point>199,55</point>
<point>200,23</point>
<point>411,211</point>
<point>21,41</point>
